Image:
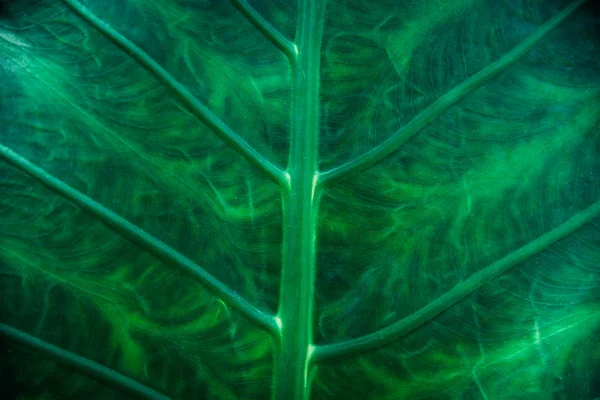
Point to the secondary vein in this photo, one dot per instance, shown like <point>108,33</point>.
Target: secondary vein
<point>195,106</point>
<point>448,99</point>
<point>143,239</point>
<point>273,35</point>
<point>82,365</point>
<point>460,291</point>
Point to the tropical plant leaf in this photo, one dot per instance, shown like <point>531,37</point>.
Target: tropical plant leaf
<point>290,200</point>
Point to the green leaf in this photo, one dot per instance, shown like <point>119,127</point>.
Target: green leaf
<point>253,199</point>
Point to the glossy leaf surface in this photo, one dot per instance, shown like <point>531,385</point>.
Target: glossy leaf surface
<point>300,199</point>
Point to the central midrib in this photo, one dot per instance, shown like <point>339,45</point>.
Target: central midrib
<point>300,207</point>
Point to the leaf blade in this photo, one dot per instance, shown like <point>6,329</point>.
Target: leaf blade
<point>457,293</point>
<point>83,365</point>
<point>192,103</point>
<point>274,36</point>
<point>143,239</point>
<point>440,105</point>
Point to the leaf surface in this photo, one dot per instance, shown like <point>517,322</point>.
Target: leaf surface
<point>290,200</point>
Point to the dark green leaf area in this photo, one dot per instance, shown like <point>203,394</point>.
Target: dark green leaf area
<point>216,54</point>
<point>281,14</point>
<point>71,281</point>
<point>83,109</point>
<point>510,161</point>
<point>526,335</point>
<point>35,377</point>
<point>384,62</point>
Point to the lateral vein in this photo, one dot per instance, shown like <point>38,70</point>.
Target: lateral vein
<point>82,365</point>
<point>268,31</point>
<point>195,106</point>
<point>444,102</point>
<point>142,238</point>
<point>460,291</point>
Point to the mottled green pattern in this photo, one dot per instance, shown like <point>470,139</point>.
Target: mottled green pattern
<point>325,199</point>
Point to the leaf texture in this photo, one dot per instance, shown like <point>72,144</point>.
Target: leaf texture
<point>252,199</point>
